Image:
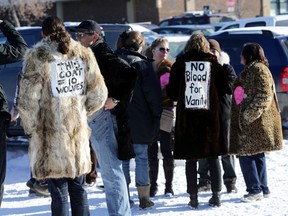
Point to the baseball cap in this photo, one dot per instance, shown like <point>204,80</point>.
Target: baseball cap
<point>214,45</point>
<point>88,26</point>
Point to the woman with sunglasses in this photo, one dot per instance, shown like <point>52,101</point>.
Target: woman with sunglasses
<point>159,51</point>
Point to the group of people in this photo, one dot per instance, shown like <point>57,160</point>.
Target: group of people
<point>74,96</point>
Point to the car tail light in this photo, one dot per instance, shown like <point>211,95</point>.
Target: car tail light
<point>284,79</point>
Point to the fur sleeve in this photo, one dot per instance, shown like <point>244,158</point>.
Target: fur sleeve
<point>263,94</point>
<point>96,89</point>
<point>30,86</point>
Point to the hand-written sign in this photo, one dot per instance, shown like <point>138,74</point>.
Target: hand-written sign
<point>197,78</point>
<point>67,77</point>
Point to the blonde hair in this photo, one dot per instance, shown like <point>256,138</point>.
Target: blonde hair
<point>197,42</point>
<point>131,40</point>
<point>154,44</point>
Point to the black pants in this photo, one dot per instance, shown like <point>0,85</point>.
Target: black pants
<point>165,146</point>
<point>4,122</point>
<point>215,172</point>
<point>228,164</point>
<point>2,164</point>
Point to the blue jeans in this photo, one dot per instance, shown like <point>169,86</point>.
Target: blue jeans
<point>103,138</point>
<point>59,190</point>
<point>142,166</point>
<point>254,171</point>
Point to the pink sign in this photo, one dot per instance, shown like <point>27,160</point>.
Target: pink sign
<point>238,94</point>
<point>164,79</point>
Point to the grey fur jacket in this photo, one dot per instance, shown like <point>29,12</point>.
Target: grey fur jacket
<point>56,95</point>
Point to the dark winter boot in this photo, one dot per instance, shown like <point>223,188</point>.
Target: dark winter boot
<point>168,165</point>
<point>153,173</point>
<point>230,185</point>
<point>215,200</point>
<point>204,185</point>
<point>193,203</point>
<point>144,199</point>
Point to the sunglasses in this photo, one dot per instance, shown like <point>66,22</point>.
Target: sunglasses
<point>81,34</point>
<point>162,49</point>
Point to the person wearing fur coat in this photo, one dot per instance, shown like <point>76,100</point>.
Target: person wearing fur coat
<point>255,120</point>
<point>197,82</point>
<point>228,161</point>
<point>61,85</point>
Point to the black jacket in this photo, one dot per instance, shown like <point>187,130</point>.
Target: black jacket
<point>17,46</point>
<point>225,100</point>
<point>120,80</point>
<point>8,53</point>
<point>145,108</point>
<point>12,52</point>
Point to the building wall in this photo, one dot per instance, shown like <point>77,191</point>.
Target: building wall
<point>171,8</point>
<point>108,11</point>
<point>243,8</point>
<point>111,11</point>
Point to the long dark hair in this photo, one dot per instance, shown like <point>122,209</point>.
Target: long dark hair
<point>54,27</point>
<point>254,52</point>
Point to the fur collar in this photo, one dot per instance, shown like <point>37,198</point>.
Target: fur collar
<point>224,58</point>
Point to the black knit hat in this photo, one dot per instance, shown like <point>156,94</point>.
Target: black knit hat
<point>88,26</point>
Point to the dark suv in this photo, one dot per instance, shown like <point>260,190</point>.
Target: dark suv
<point>196,19</point>
<point>274,41</point>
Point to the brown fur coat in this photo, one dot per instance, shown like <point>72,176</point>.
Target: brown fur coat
<point>199,133</point>
<point>59,143</point>
<point>256,121</point>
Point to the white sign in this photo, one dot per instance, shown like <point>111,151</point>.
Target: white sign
<point>197,78</point>
<point>67,77</point>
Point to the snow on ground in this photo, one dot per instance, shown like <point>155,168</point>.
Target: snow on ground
<point>17,202</point>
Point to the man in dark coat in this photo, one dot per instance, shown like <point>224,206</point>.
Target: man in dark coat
<point>111,145</point>
<point>197,82</point>
<point>8,54</point>
<point>228,161</point>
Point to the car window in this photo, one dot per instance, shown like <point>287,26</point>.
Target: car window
<point>198,20</point>
<point>231,26</point>
<point>177,22</point>
<point>164,23</point>
<point>281,23</point>
<point>252,24</point>
<point>176,48</point>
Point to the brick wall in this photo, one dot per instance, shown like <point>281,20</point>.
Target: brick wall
<point>243,8</point>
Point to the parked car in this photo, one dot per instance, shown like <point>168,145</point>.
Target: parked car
<point>112,32</point>
<point>185,29</point>
<point>9,72</point>
<point>274,41</point>
<point>279,20</point>
<point>197,19</point>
